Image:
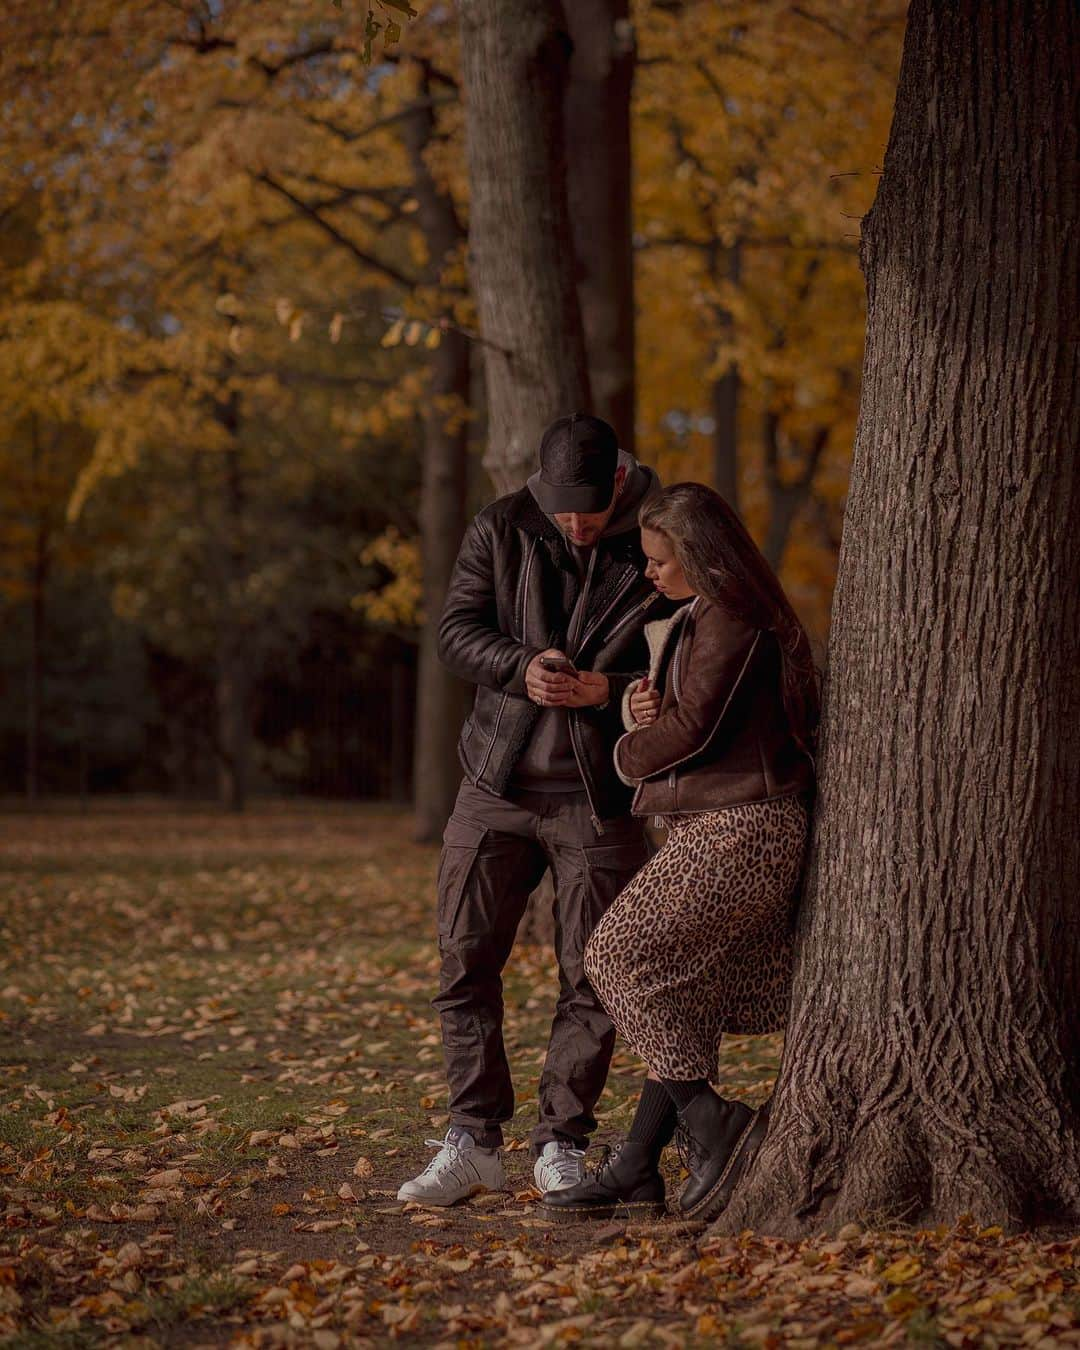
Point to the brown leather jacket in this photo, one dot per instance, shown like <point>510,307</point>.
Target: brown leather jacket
<point>722,736</point>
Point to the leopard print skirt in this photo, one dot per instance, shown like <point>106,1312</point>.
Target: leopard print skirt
<point>699,942</point>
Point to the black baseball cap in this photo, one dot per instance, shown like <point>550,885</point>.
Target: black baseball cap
<point>578,458</point>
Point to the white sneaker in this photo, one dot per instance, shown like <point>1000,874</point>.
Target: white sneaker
<point>558,1167</point>
<point>458,1170</point>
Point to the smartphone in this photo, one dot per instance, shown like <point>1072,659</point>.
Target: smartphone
<point>558,665</point>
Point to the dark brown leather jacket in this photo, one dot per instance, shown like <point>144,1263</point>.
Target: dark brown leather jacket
<point>722,736</point>
<point>509,598</point>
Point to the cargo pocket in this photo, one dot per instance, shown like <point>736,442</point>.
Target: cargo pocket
<point>461,844</point>
<point>609,867</point>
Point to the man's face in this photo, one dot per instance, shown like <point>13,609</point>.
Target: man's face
<point>583,530</point>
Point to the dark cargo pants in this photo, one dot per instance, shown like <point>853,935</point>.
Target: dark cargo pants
<point>495,852</point>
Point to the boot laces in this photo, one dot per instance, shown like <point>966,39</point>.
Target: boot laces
<point>608,1158</point>
<point>688,1147</point>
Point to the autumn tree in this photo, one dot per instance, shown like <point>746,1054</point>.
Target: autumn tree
<point>237,127</point>
<point>758,130</point>
<point>932,1064</point>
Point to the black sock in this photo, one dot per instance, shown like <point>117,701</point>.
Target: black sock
<point>682,1094</point>
<point>655,1119</point>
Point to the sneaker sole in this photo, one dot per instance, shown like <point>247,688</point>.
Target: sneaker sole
<point>698,1210</point>
<point>636,1209</point>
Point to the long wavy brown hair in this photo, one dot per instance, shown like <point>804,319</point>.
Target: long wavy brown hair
<point>721,562</point>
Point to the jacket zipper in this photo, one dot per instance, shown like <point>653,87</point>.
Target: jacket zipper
<point>633,613</point>
<point>628,581</point>
<point>678,652</point>
<point>593,628</point>
<point>494,737</point>
<point>669,769</point>
<point>597,826</point>
<point>523,609</point>
<point>571,713</point>
<point>523,596</point>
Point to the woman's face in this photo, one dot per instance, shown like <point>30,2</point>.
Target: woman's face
<point>663,569</point>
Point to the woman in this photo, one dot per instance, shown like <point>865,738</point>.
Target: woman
<point>699,943</point>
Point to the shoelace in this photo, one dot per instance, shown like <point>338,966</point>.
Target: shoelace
<point>607,1161</point>
<point>687,1147</point>
<point>565,1162</point>
<point>439,1163</point>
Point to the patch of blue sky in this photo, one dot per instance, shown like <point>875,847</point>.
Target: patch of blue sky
<point>376,75</point>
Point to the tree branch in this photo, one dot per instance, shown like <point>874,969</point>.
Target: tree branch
<point>361,255</point>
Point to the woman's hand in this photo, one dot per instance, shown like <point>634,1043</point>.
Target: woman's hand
<point>644,703</point>
<point>589,690</point>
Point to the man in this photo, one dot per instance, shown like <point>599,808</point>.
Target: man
<point>552,574</point>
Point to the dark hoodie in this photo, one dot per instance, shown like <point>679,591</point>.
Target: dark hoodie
<point>548,763</point>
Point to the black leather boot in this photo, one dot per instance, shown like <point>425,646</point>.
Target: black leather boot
<point>714,1131</point>
<point>626,1185</point>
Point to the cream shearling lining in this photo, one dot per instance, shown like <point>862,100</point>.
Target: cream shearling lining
<point>658,636</point>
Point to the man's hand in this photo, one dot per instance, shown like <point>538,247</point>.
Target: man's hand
<point>590,690</point>
<point>644,703</point>
<point>545,687</point>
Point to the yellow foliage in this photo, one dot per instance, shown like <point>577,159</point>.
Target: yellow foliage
<point>223,213</point>
<point>398,602</point>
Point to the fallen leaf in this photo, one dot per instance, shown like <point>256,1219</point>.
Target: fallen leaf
<point>903,1271</point>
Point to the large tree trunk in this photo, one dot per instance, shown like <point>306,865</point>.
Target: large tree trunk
<point>441,701</point>
<point>932,1065</point>
<point>597,117</point>
<point>514,59</point>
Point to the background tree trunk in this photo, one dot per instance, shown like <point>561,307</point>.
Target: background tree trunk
<point>725,386</point>
<point>35,676</point>
<point>597,130</point>
<point>38,578</point>
<point>787,494</point>
<point>235,679</point>
<point>515,59</point>
<point>441,700</point>
<point>933,1059</point>
<point>232,694</point>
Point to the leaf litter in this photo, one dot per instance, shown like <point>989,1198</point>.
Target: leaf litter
<point>218,1060</point>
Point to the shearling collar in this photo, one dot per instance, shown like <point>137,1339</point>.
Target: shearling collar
<point>659,633</point>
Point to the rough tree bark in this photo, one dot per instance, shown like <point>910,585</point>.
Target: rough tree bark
<point>597,133</point>
<point>932,1064</point>
<point>515,60</point>
<point>441,701</point>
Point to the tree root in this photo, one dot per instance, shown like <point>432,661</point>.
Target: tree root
<point>815,1173</point>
